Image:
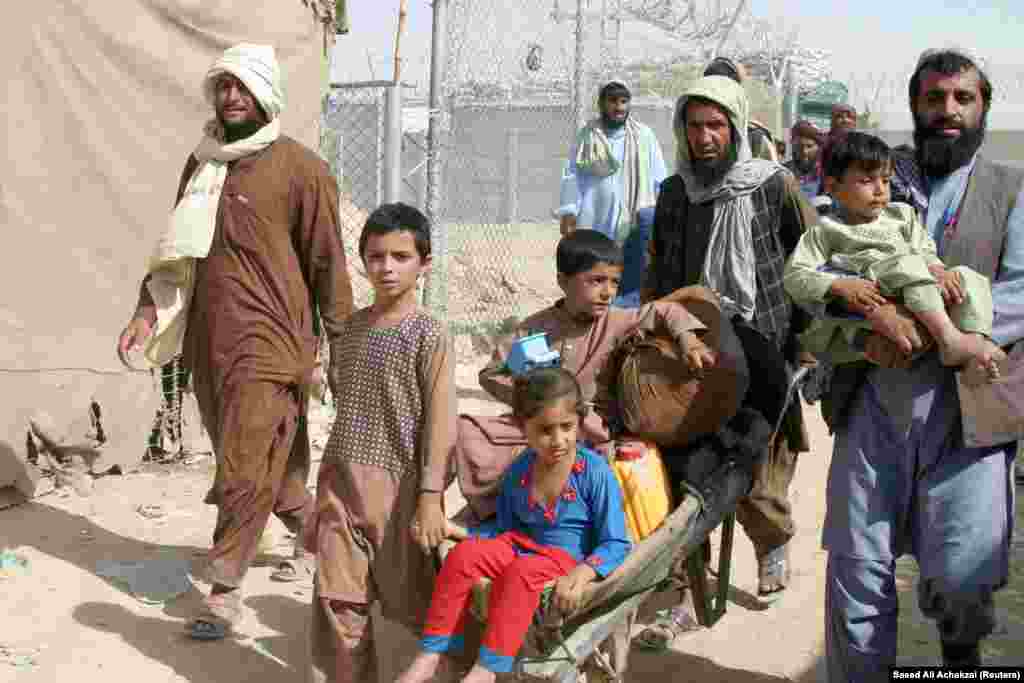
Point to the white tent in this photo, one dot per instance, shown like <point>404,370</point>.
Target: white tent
<point>103,107</point>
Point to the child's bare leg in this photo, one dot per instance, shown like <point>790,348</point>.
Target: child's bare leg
<point>425,667</point>
<point>958,348</point>
<point>479,674</point>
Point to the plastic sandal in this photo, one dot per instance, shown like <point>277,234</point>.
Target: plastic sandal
<point>773,573</point>
<point>201,629</point>
<point>218,617</point>
<point>670,624</point>
<point>290,571</point>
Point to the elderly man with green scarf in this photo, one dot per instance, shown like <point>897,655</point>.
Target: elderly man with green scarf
<point>728,221</point>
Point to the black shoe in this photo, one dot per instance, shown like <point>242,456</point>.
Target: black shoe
<point>961,656</point>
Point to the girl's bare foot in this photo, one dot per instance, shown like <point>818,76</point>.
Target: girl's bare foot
<point>424,668</point>
<point>479,674</point>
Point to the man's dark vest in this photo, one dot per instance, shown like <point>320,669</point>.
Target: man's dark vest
<point>978,242</point>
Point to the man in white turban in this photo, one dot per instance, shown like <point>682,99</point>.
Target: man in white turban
<point>250,257</point>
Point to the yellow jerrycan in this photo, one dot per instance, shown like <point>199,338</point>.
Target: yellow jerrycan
<point>646,491</point>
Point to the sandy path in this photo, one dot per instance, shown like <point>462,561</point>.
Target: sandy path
<point>62,622</point>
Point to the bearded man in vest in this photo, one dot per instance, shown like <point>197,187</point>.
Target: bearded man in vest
<point>902,478</point>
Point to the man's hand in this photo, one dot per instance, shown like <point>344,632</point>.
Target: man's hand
<point>859,295</point>
<point>884,352</point>
<point>896,336</point>
<point>429,526</point>
<point>567,225</point>
<point>698,356</point>
<point>133,337</point>
<point>950,284</point>
<point>806,359</point>
<point>568,595</point>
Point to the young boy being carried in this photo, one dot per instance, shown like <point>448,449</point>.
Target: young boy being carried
<point>871,250</point>
<point>583,327</point>
<point>379,491</point>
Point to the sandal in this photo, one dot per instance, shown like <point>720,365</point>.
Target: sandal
<point>773,573</point>
<point>669,625</point>
<point>290,571</point>
<point>299,568</point>
<point>217,618</point>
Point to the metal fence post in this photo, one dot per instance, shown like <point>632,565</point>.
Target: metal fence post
<point>339,163</point>
<point>435,291</point>
<point>392,161</point>
<point>511,175</point>
<point>789,100</point>
<point>579,72</point>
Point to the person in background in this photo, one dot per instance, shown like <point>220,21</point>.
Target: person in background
<point>806,140</point>
<point>762,144</point>
<point>611,182</point>
<point>844,117</point>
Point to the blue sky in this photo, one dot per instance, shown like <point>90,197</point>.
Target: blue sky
<point>876,39</point>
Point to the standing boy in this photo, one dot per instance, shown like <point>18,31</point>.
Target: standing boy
<point>386,463</point>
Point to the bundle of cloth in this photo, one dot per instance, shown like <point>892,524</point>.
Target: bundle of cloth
<point>647,392</point>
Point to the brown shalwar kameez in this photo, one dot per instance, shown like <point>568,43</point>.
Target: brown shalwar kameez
<point>584,345</point>
<point>392,435</point>
<point>250,345</point>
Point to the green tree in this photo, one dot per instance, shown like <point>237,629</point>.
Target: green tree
<point>867,120</point>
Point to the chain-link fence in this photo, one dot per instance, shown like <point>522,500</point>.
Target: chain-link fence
<point>518,80</point>
<point>352,142</point>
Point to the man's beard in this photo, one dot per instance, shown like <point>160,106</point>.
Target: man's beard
<point>612,124</point>
<point>804,166</point>
<point>708,171</point>
<point>939,155</point>
<point>242,130</point>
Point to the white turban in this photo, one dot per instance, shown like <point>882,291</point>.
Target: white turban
<point>257,68</point>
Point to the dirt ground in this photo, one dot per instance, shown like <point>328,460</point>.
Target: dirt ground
<point>62,621</point>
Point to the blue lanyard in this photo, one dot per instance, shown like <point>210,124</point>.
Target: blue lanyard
<point>951,214</point>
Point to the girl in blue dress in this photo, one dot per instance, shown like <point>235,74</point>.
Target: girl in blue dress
<point>560,517</point>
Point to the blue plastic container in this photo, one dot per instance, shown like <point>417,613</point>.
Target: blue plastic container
<point>530,352</point>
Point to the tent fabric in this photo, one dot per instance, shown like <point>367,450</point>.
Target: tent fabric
<point>104,104</point>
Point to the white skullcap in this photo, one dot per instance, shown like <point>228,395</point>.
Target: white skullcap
<point>257,68</point>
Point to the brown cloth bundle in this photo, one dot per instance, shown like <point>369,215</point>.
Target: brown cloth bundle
<point>645,389</point>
